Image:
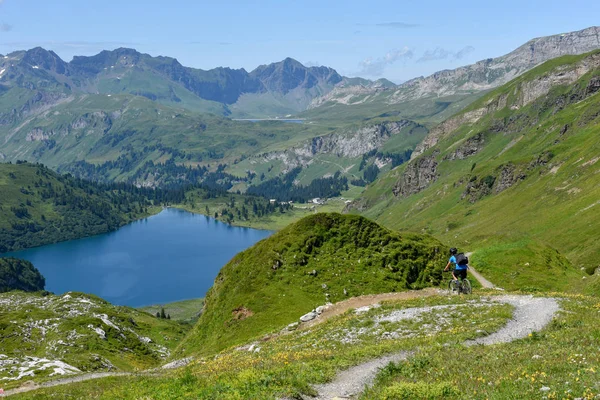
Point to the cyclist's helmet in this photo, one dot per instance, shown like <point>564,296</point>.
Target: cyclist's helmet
<point>453,251</point>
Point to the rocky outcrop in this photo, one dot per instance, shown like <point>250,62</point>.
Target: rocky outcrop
<point>508,176</point>
<point>38,134</point>
<point>350,94</point>
<point>352,143</point>
<point>417,176</point>
<point>471,146</point>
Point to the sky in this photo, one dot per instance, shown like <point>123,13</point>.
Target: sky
<point>395,39</point>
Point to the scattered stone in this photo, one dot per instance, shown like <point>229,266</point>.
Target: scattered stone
<point>319,310</point>
<point>313,272</point>
<point>544,389</point>
<point>345,292</point>
<point>293,326</point>
<point>178,363</point>
<point>536,356</point>
<point>324,286</point>
<point>308,317</point>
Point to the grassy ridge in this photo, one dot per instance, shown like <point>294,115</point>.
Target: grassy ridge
<point>324,257</point>
<point>528,190</point>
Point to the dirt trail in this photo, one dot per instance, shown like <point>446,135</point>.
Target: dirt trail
<point>65,381</point>
<point>367,300</point>
<point>531,315</point>
<point>355,379</point>
<point>482,281</point>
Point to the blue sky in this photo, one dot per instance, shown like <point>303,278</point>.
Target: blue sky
<point>396,39</point>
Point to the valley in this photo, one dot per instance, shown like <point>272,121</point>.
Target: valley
<point>329,205</point>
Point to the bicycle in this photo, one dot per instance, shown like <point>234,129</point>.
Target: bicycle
<point>459,286</point>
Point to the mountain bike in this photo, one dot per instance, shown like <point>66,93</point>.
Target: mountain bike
<point>459,286</point>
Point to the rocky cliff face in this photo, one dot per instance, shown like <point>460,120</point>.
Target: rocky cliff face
<point>417,176</point>
<point>353,143</point>
<point>289,74</point>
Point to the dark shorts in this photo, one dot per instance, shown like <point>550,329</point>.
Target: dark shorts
<point>460,273</point>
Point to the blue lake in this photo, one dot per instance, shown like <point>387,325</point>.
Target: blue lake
<point>174,255</point>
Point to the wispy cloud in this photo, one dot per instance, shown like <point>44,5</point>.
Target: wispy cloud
<point>312,64</point>
<point>442,54</point>
<point>465,51</point>
<point>396,25</point>
<point>375,67</point>
<point>4,27</point>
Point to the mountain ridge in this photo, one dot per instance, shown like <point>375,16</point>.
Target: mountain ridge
<point>483,75</point>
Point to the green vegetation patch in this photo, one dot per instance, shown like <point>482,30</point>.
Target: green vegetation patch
<point>187,311</point>
<point>40,331</point>
<point>322,258</point>
<point>16,274</point>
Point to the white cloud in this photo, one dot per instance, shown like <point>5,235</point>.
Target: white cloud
<point>441,54</point>
<point>375,67</point>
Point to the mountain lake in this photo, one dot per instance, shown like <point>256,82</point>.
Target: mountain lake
<point>174,255</point>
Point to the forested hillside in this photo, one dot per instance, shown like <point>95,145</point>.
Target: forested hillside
<point>18,274</point>
<point>39,206</point>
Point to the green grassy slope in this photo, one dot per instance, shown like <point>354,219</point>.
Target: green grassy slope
<point>324,257</point>
<point>562,357</point>
<point>186,311</point>
<point>80,330</point>
<point>39,206</point>
<point>516,186</point>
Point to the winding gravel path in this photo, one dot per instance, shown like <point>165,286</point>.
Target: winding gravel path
<point>531,314</point>
<point>63,381</point>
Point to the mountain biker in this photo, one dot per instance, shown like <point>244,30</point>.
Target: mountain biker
<point>460,270</point>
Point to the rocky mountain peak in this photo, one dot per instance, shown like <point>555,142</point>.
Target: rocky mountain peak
<point>289,74</point>
<point>44,59</point>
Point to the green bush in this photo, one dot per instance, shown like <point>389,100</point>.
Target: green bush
<point>419,390</point>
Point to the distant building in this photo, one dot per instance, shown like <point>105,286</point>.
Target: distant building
<point>273,201</point>
<point>317,200</point>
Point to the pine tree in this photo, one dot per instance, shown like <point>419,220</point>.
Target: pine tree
<point>168,316</point>
<point>157,314</point>
<point>162,313</point>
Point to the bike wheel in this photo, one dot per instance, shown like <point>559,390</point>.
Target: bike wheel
<point>466,286</point>
<point>452,285</point>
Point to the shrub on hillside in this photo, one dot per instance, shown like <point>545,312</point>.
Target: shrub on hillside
<point>16,274</point>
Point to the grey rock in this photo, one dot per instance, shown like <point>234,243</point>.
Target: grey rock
<point>308,317</point>
<point>417,176</point>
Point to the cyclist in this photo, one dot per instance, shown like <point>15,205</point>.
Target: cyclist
<point>460,270</point>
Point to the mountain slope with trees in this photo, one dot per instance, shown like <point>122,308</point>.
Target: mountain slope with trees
<point>39,206</point>
<point>16,274</point>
